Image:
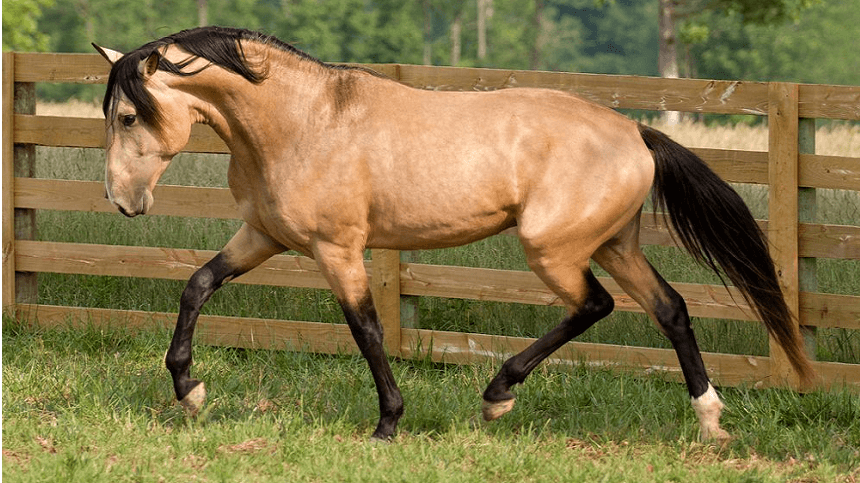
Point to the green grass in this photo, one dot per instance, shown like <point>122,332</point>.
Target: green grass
<point>96,405</point>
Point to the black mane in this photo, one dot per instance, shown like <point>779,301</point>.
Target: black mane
<point>219,45</point>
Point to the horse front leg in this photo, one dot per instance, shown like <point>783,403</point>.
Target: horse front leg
<point>344,270</point>
<point>247,249</point>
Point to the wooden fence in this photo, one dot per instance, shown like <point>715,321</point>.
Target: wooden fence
<point>790,167</point>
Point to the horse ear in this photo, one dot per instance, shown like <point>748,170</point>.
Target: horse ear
<point>149,65</point>
<point>110,55</point>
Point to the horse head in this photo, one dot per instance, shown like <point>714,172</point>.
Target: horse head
<point>147,122</point>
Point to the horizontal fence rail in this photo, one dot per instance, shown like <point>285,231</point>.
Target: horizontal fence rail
<point>792,170</point>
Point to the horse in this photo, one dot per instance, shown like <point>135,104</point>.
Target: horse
<point>329,160</point>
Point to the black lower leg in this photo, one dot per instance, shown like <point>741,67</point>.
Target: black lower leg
<point>200,287</point>
<point>598,304</point>
<point>675,321</point>
<point>367,332</point>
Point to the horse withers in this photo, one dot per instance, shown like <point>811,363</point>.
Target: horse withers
<point>329,160</point>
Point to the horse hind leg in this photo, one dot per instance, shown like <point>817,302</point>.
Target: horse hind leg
<point>626,263</point>
<point>587,303</point>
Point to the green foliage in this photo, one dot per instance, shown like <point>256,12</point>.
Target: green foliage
<point>21,25</point>
<point>792,40</point>
<point>817,48</point>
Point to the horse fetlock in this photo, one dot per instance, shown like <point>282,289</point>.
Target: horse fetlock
<point>194,399</point>
<point>708,408</point>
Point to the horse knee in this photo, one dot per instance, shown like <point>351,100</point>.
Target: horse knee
<point>597,305</point>
<point>363,322</point>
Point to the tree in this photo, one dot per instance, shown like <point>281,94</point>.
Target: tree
<point>21,25</point>
<point>750,11</point>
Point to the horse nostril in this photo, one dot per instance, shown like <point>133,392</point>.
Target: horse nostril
<point>124,212</point>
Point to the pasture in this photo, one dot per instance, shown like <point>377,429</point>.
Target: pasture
<point>95,404</point>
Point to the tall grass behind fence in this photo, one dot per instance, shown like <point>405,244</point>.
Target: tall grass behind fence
<point>86,246</point>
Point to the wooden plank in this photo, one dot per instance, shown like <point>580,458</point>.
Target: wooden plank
<point>829,241</point>
<point>385,285</point>
<point>69,195</point>
<point>163,263</point>
<point>695,95</point>
<point>615,91</point>
<point>8,294</point>
<point>830,310</point>
<point>75,132</point>
<point>783,208</point>
<point>724,369</point>
<point>62,68</point>
<point>827,101</point>
<point>526,288</point>
<point>816,240</point>
<point>249,333</point>
<point>832,172</point>
<point>738,166</point>
<point>87,132</point>
<point>460,348</point>
<point>822,310</point>
<point>449,347</point>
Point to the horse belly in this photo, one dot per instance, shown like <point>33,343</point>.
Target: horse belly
<point>440,221</point>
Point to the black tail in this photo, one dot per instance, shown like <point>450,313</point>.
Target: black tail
<point>717,228</point>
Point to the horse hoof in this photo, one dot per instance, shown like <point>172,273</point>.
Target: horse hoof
<point>716,435</point>
<point>193,401</point>
<point>377,440</point>
<point>495,410</point>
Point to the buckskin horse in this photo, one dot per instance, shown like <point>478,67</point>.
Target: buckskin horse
<point>329,160</point>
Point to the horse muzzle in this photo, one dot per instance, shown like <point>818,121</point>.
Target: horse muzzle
<point>139,205</point>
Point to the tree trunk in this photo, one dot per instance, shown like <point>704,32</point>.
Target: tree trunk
<point>428,30</point>
<point>537,25</point>
<point>667,60</point>
<point>482,29</point>
<point>456,39</point>
<point>202,13</point>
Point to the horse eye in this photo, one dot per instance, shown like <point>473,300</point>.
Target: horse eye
<point>128,120</point>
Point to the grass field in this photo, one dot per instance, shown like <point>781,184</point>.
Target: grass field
<point>96,405</point>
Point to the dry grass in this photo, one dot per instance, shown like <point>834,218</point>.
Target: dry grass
<point>835,139</point>
<point>73,108</point>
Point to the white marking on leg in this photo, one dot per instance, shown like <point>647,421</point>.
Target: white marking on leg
<point>193,401</point>
<point>495,410</point>
<point>708,408</point>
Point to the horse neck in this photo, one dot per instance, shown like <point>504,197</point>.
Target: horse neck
<point>249,117</point>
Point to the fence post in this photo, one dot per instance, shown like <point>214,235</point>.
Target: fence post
<point>783,157</point>
<point>24,160</point>
<point>409,303</point>
<point>8,181</point>
<point>385,286</point>
<point>807,213</point>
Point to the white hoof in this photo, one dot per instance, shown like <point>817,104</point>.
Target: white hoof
<point>708,409</point>
<point>495,410</point>
<point>193,401</point>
